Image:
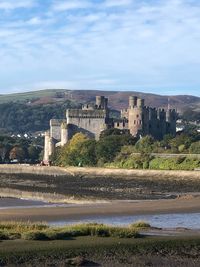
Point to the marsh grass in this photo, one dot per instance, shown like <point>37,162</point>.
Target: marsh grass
<point>21,227</point>
<point>140,224</point>
<point>39,231</point>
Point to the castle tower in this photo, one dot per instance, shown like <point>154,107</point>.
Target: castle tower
<point>46,146</point>
<point>135,112</point>
<point>132,102</point>
<point>51,146</point>
<point>101,102</point>
<point>64,134</point>
<point>171,117</point>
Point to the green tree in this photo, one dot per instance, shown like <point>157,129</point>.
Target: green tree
<point>195,148</point>
<point>145,145</point>
<point>17,153</point>
<point>70,154</point>
<point>108,147</point>
<point>34,153</point>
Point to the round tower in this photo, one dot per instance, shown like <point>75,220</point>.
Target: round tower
<point>46,146</point>
<point>99,101</point>
<point>140,103</point>
<point>132,101</point>
<point>51,146</point>
<point>64,134</point>
<point>135,115</point>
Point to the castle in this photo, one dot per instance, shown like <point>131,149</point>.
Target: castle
<point>92,119</point>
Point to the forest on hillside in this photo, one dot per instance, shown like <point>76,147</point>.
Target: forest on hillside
<point>22,117</point>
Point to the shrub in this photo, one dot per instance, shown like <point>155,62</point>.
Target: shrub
<point>123,232</point>
<point>174,164</point>
<point>140,224</point>
<point>57,234</point>
<point>62,233</point>
<point>3,235</point>
<point>34,235</point>
<point>21,227</point>
<point>14,235</point>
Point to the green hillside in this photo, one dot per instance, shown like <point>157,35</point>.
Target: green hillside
<point>31,111</point>
<point>28,96</point>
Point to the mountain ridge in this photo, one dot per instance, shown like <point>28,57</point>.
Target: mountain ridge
<point>117,99</point>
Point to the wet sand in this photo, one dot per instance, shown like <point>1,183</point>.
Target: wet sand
<point>114,208</point>
<point>7,202</point>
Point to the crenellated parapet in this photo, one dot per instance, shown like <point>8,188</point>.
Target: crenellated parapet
<point>82,113</point>
<point>143,120</point>
<point>93,118</point>
<point>55,128</point>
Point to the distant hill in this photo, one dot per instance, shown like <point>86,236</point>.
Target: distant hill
<point>117,99</point>
<point>31,111</point>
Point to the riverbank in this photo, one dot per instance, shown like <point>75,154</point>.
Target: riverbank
<point>114,208</point>
<point>86,185</point>
<point>94,171</point>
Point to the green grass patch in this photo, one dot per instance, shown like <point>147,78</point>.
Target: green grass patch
<point>140,224</point>
<point>38,231</point>
<point>101,250</point>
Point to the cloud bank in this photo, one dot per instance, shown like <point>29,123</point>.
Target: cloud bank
<point>150,46</point>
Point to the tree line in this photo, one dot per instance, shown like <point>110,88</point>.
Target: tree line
<point>120,149</point>
<point>20,149</point>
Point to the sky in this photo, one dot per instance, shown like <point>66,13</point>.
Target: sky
<point>150,46</point>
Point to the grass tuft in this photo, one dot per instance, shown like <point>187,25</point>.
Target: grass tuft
<point>140,224</point>
<point>35,231</point>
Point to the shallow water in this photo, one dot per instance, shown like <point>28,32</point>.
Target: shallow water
<point>18,202</point>
<point>185,220</point>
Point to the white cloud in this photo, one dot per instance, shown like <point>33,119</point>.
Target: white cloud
<point>70,5</point>
<point>145,44</point>
<point>117,3</point>
<point>15,4</point>
<point>34,21</point>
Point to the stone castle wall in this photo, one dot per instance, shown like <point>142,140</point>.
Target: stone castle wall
<point>89,122</point>
<point>92,119</point>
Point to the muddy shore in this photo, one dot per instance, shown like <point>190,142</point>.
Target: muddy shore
<point>127,192</point>
<point>78,212</point>
<point>88,185</point>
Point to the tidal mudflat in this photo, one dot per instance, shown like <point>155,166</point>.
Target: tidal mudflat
<point>90,187</point>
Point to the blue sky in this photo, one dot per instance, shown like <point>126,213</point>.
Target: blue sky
<point>144,45</point>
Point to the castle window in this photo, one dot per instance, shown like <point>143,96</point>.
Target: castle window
<point>134,122</point>
<point>137,116</point>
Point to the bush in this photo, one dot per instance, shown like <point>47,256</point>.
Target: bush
<point>174,164</point>
<point>3,235</point>
<point>123,232</point>
<point>140,224</point>
<point>34,235</point>
<point>22,227</point>
<point>62,233</point>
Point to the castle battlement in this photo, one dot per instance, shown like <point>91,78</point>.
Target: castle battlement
<point>82,113</point>
<point>92,119</point>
